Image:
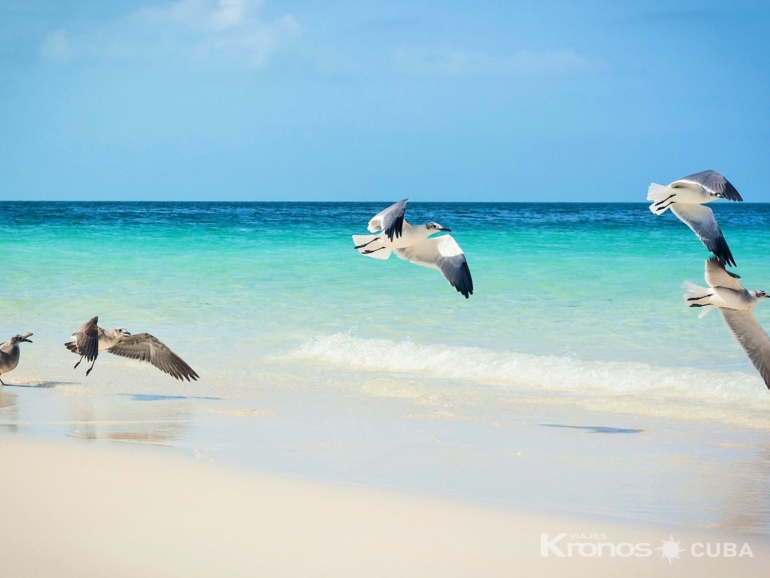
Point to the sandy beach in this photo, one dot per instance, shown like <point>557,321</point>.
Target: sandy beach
<point>384,289</point>
<point>74,508</point>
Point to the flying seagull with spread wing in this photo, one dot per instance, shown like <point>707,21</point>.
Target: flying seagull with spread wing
<point>10,353</point>
<point>735,304</point>
<point>90,339</point>
<point>686,197</point>
<point>416,244</point>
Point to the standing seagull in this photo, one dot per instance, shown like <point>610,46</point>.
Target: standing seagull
<point>90,339</point>
<point>412,242</point>
<point>686,198</point>
<point>10,353</point>
<point>735,304</point>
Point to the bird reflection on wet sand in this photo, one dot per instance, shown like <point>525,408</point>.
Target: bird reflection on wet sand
<point>158,423</point>
<point>9,410</point>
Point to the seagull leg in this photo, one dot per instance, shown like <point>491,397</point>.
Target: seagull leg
<point>664,200</point>
<point>369,243</point>
<point>90,368</point>
<point>2,382</point>
<point>699,298</point>
<point>78,363</point>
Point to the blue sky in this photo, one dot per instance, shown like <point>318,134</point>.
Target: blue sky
<point>273,100</point>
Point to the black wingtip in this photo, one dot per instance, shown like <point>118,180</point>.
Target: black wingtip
<point>722,251</point>
<point>731,193</point>
<point>464,281</point>
<point>396,229</point>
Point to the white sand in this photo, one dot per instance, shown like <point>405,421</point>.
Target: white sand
<point>109,510</point>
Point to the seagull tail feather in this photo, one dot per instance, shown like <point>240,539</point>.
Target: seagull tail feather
<point>694,290</point>
<point>660,196</point>
<point>372,246</point>
<point>657,192</point>
<point>705,310</point>
<point>697,296</point>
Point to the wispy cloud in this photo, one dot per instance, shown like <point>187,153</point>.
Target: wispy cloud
<point>212,31</point>
<point>523,62</point>
<point>56,47</point>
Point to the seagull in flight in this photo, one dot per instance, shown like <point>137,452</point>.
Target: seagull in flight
<point>10,353</point>
<point>686,197</point>
<point>735,304</point>
<point>90,339</point>
<point>415,243</point>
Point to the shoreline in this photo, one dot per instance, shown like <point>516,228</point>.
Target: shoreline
<point>74,508</point>
<point>518,457</point>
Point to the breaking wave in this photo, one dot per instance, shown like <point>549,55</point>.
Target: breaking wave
<point>531,372</point>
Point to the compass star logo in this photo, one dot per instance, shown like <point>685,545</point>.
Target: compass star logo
<point>670,549</point>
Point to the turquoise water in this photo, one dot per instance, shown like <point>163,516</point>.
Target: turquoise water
<point>577,317</point>
<point>596,282</point>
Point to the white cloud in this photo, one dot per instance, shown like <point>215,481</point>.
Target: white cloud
<point>523,62</point>
<point>260,40</point>
<point>230,13</point>
<point>56,47</point>
<point>209,31</point>
<point>198,14</point>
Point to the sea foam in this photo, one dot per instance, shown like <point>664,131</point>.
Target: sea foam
<point>532,372</point>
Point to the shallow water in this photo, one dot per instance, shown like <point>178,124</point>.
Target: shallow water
<point>318,362</point>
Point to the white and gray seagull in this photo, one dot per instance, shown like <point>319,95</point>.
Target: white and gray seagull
<point>90,339</point>
<point>686,197</point>
<point>414,243</point>
<point>10,353</point>
<point>735,304</point>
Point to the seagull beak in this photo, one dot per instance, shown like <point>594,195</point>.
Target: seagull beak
<point>446,229</point>
<point>27,340</point>
<point>25,336</point>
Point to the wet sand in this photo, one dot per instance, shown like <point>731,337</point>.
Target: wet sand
<point>88,508</point>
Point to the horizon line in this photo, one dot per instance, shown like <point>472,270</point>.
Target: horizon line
<point>340,202</point>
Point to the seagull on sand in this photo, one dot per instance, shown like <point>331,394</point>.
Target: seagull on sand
<point>90,339</point>
<point>414,243</point>
<point>686,198</point>
<point>735,304</point>
<point>10,353</point>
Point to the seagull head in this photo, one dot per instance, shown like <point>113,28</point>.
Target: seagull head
<point>122,331</point>
<point>16,339</point>
<point>759,294</point>
<point>435,228</point>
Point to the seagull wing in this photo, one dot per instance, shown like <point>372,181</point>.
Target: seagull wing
<point>442,253</point>
<point>718,276</point>
<point>701,220</point>
<point>391,220</point>
<point>145,347</point>
<point>86,340</point>
<point>713,182</point>
<point>752,337</point>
